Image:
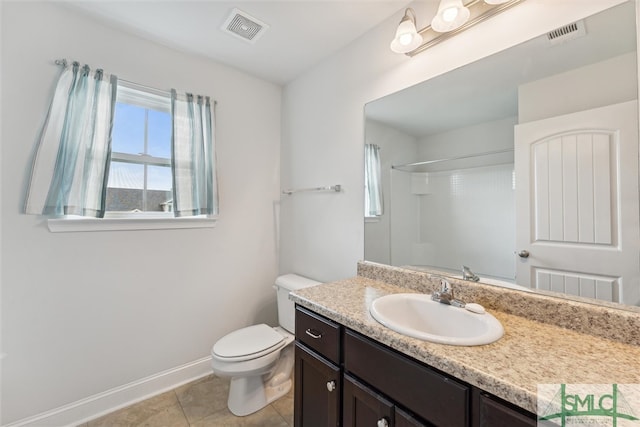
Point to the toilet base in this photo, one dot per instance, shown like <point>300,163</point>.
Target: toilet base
<point>250,394</point>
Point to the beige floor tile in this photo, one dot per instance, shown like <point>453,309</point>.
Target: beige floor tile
<point>284,406</point>
<point>204,397</point>
<point>202,403</point>
<point>159,411</point>
<point>267,417</point>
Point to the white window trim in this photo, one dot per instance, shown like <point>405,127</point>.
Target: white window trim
<point>118,222</point>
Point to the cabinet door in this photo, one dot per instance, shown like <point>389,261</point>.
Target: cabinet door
<point>497,414</point>
<point>363,407</point>
<point>317,390</point>
<point>404,419</point>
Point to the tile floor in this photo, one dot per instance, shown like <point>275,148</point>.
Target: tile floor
<point>202,403</point>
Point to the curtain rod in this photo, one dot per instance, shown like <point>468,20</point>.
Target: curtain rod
<point>63,63</point>
<point>468,156</point>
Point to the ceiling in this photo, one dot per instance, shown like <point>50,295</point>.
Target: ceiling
<point>487,90</point>
<point>301,33</point>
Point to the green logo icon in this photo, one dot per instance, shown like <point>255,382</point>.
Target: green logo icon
<point>586,404</point>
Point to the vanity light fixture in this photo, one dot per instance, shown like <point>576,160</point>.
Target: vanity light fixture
<point>407,37</point>
<point>453,17</point>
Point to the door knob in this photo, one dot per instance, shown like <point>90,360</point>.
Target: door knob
<point>382,422</point>
<point>331,385</point>
<point>523,254</point>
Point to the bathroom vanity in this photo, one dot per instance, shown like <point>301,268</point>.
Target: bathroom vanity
<point>352,371</point>
<point>345,379</point>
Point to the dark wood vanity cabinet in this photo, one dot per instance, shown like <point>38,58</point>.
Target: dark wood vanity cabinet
<point>318,375</point>
<point>492,412</point>
<point>434,397</point>
<point>343,378</point>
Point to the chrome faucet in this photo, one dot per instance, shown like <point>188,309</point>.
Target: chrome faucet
<point>467,274</point>
<point>445,295</point>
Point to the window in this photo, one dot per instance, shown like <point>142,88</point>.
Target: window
<point>94,170</point>
<point>140,171</point>
<point>373,206</point>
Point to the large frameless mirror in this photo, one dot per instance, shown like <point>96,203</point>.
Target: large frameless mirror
<point>522,166</point>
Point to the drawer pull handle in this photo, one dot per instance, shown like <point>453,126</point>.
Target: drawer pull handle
<point>314,334</point>
<point>382,422</point>
<point>331,385</point>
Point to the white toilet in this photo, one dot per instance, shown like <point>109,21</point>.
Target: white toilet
<point>259,358</point>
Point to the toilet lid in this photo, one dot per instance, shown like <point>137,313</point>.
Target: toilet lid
<point>246,341</point>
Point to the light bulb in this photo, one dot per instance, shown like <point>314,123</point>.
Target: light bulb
<point>451,14</point>
<point>405,39</point>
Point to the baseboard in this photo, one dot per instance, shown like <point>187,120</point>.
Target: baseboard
<point>100,404</point>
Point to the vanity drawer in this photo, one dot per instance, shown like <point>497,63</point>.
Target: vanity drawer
<point>318,333</point>
<point>431,395</point>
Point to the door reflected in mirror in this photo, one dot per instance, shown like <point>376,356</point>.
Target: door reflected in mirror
<point>522,166</point>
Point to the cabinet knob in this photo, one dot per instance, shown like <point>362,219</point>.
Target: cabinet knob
<point>331,385</point>
<point>382,422</point>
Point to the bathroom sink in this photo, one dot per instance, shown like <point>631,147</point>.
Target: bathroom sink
<point>418,316</point>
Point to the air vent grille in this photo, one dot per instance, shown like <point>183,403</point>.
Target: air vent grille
<point>244,26</point>
<point>566,33</point>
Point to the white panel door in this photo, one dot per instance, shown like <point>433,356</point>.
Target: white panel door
<point>577,206</point>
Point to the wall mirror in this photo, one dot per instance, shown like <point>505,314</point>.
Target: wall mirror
<point>522,166</point>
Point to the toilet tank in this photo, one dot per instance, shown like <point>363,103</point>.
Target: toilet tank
<point>286,308</point>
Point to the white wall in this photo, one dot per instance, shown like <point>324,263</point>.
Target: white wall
<point>324,123</point>
<point>483,137</point>
<point>396,148</point>
<point>83,313</point>
<point>597,85</point>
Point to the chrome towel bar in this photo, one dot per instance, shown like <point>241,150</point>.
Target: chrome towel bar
<point>337,188</point>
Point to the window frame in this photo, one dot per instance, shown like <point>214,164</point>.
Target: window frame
<point>148,99</point>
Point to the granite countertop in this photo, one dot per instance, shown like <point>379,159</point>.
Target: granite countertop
<point>529,353</point>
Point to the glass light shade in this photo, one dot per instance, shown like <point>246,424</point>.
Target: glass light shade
<point>451,15</point>
<point>407,37</point>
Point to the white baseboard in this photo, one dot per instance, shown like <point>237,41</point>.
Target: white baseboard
<point>100,404</point>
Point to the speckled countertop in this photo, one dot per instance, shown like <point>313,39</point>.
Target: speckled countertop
<point>529,353</point>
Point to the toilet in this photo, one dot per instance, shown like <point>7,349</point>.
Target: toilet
<point>259,358</point>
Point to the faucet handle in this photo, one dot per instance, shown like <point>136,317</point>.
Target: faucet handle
<point>445,287</point>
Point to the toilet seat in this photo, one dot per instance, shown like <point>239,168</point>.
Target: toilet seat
<point>248,343</point>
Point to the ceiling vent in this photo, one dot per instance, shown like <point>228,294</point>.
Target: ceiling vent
<point>244,26</point>
<point>566,33</point>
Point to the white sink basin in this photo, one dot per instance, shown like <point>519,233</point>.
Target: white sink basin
<point>417,316</point>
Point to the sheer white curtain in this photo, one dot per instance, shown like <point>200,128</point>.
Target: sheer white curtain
<point>195,185</point>
<point>373,203</point>
<point>71,166</point>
